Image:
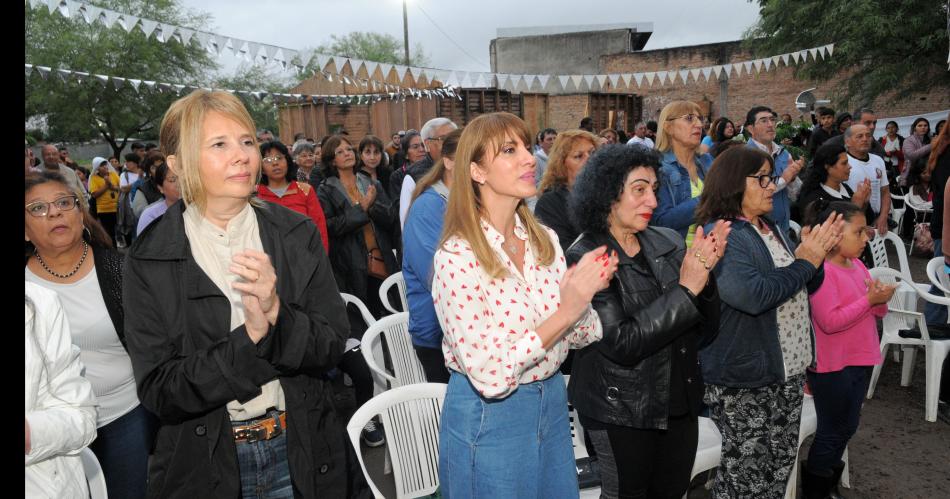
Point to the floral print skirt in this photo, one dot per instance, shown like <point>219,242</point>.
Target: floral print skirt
<point>759,428</point>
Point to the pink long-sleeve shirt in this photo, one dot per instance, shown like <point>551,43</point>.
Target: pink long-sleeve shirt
<point>844,320</point>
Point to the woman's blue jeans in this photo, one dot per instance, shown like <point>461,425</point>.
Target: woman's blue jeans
<point>518,446</point>
<point>122,448</point>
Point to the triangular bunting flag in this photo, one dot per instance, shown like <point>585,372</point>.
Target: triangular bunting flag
<point>757,64</point>
<point>662,76</point>
<point>63,75</point>
<point>717,70</point>
<point>784,58</point>
<point>614,80</point>
<point>110,17</point>
<point>130,22</point>
<point>28,70</point>
<point>831,49</point>
<point>149,84</point>
<point>638,78</point>
<point>650,76</point>
<point>80,77</point>
<point>775,60</point>
<point>748,67</point>
<point>400,71</point>
<point>252,49</point>
<point>148,27</point>
<point>135,84</point>
<point>221,43</point>
<point>179,89</point>
<point>52,5</point>
<point>708,70</point>
<point>576,80</point>
<point>269,51</point>
<point>185,34</point>
<point>796,56</point>
<point>101,79</point>
<point>73,9</point>
<point>821,52</point>
<point>204,39</point>
<point>814,54</point>
<point>767,63</point>
<point>36,3</point>
<point>589,80</point>
<point>117,83</point>
<point>804,55</point>
<point>728,68</point>
<point>385,69</point>
<point>563,79</point>
<point>684,74</point>
<point>543,80</point>
<point>91,13</point>
<point>695,74</point>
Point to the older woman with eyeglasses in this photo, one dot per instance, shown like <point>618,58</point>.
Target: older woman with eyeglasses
<point>683,167</point>
<point>305,157</point>
<point>754,370</point>
<point>279,185</point>
<point>69,252</point>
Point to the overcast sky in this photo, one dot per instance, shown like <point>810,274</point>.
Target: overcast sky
<point>298,24</point>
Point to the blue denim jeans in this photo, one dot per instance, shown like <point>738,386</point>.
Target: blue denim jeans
<point>519,446</point>
<point>933,313</point>
<point>265,472</point>
<point>122,448</point>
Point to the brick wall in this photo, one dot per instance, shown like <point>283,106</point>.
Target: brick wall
<point>566,111</point>
<point>776,88</point>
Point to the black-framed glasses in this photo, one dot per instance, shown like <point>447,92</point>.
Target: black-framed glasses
<point>690,118</point>
<point>765,179</point>
<point>440,138</point>
<point>40,209</point>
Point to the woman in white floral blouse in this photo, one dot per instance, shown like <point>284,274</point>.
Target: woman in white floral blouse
<point>510,310</point>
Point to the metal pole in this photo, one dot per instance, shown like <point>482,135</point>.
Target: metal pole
<point>405,31</point>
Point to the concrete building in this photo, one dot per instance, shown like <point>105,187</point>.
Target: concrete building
<point>563,49</point>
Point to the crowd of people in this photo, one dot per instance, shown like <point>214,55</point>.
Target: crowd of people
<point>195,323</point>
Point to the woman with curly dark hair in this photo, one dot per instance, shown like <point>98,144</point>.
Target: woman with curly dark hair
<point>638,391</point>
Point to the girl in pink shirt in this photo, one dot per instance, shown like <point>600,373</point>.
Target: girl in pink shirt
<point>843,312</point>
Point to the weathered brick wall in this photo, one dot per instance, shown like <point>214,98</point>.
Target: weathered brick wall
<point>776,88</point>
<point>566,111</point>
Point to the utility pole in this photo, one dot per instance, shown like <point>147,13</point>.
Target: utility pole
<point>405,31</point>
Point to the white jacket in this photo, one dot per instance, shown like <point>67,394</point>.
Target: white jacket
<point>60,405</point>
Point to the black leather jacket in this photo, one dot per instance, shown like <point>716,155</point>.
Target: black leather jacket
<point>624,379</point>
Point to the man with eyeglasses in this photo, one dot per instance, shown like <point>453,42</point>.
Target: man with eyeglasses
<point>433,133</point>
<point>761,121</point>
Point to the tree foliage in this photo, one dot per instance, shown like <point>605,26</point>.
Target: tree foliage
<point>372,46</point>
<point>883,48</point>
<point>257,78</point>
<point>81,111</point>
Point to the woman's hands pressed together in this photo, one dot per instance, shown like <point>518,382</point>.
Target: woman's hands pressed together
<point>705,253</point>
<point>258,291</point>
<point>819,240</point>
<point>582,281</point>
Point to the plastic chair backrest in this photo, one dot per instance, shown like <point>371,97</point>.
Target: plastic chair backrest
<point>879,253</point>
<point>902,302</point>
<point>795,227</point>
<point>397,280</point>
<point>407,369</point>
<point>411,416</point>
<point>94,476</point>
<point>938,277</point>
<point>349,299</point>
<point>577,431</point>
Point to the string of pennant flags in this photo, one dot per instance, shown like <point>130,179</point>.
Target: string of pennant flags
<point>378,75</point>
<point>118,83</point>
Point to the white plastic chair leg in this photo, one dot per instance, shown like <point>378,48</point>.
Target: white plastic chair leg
<point>845,480</point>
<point>876,373</point>
<point>907,367</point>
<point>896,350</point>
<point>936,353</point>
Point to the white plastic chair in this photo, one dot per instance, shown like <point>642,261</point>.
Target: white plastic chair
<point>407,369</point>
<point>898,213</point>
<point>938,277</point>
<point>397,280</point>
<point>902,318</point>
<point>577,431</point>
<point>708,449</point>
<point>807,427</point>
<point>797,228</point>
<point>411,416</point>
<point>94,476</point>
<point>878,246</point>
<point>920,217</point>
<point>349,299</point>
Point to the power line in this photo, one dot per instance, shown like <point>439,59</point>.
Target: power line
<point>470,56</point>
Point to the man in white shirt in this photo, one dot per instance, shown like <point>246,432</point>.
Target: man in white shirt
<point>53,163</point>
<point>640,136</point>
<point>865,165</point>
<point>433,133</point>
<point>131,173</point>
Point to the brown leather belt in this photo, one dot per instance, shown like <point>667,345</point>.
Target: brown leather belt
<point>264,429</point>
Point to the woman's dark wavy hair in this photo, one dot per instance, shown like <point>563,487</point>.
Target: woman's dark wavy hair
<point>817,172</point>
<point>721,130</point>
<point>926,138</point>
<point>291,174</point>
<point>372,140</point>
<point>96,236</point>
<point>820,209</point>
<point>328,154</point>
<point>913,176</point>
<point>724,185</point>
<point>600,183</point>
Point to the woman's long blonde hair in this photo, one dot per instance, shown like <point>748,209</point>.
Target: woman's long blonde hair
<point>483,139</point>
<point>555,173</point>
<point>675,109</point>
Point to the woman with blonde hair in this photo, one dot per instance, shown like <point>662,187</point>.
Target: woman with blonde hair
<point>510,310</point>
<point>236,320</point>
<point>683,167</point>
<point>568,156</point>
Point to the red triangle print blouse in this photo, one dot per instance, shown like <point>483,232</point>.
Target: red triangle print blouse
<point>489,324</point>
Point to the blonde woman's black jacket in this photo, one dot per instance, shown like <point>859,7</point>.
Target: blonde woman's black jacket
<point>624,379</point>
<point>189,363</point>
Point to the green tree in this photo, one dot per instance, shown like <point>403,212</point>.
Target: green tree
<point>257,78</point>
<point>881,47</point>
<point>81,111</point>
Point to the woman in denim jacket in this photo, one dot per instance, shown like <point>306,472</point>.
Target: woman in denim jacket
<point>683,169</point>
<point>754,369</point>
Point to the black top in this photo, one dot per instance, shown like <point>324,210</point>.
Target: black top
<point>551,210</point>
<point>938,181</point>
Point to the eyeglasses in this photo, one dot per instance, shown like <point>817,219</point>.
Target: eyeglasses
<point>273,159</point>
<point>305,155</point>
<point>438,139</point>
<point>40,209</point>
<point>342,151</point>
<point>690,118</point>
<point>766,119</point>
<point>764,179</point>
